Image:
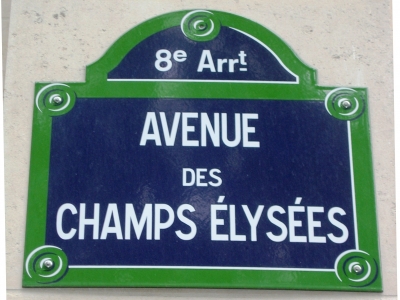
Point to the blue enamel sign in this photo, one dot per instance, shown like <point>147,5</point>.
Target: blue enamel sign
<point>201,153</point>
<point>200,183</point>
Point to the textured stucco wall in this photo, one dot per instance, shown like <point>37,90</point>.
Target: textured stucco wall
<point>5,22</point>
<point>349,43</point>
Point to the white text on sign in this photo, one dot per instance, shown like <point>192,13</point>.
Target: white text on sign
<point>165,61</point>
<point>217,130</point>
<point>283,224</point>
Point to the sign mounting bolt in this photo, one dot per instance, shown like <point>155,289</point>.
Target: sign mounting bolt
<point>346,104</point>
<point>48,264</point>
<point>357,269</point>
<point>57,99</point>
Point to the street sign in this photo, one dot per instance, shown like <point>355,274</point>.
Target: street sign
<point>200,152</point>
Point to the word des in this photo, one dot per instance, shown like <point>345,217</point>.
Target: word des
<point>191,177</point>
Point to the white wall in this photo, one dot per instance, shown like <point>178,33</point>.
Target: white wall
<point>349,42</point>
<point>5,23</point>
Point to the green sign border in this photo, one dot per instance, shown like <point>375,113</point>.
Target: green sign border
<point>97,86</point>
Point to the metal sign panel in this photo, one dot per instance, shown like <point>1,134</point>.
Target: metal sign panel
<point>201,153</point>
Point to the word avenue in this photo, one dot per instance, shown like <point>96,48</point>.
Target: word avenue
<point>218,130</point>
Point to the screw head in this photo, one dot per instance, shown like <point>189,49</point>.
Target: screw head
<point>357,269</point>
<point>57,100</point>
<point>346,104</point>
<point>48,264</point>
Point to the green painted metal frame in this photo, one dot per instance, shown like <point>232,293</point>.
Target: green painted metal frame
<point>97,86</point>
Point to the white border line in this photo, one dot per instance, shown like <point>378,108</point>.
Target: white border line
<point>353,191</point>
<point>199,268</point>
<point>252,268</point>
<point>272,52</point>
<point>197,80</point>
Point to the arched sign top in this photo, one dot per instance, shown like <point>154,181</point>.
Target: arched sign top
<point>232,56</point>
<point>201,46</point>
